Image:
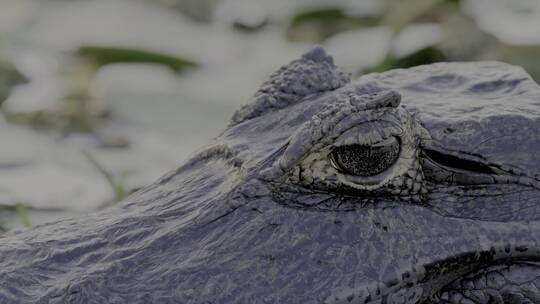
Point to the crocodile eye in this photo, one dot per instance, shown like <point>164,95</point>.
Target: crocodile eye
<point>364,160</point>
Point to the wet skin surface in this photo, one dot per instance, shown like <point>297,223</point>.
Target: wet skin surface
<point>410,186</point>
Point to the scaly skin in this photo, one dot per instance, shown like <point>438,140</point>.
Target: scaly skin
<point>279,209</point>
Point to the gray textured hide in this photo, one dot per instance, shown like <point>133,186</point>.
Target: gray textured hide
<point>262,214</point>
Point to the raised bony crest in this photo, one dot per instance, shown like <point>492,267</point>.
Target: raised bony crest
<point>313,73</point>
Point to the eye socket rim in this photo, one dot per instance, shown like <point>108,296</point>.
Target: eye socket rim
<point>380,144</point>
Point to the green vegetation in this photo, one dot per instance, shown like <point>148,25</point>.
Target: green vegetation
<point>322,15</point>
<point>22,213</point>
<point>9,77</point>
<point>101,55</point>
<point>80,110</point>
<point>116,182</point>
<point>461,38</point>
<point>317,24</point>
<point>20,210</point>
<point>64,121</point>
<point>399,13</point>
<point>423,56</point>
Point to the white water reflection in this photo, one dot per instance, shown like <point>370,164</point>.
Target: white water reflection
<point>253,12</point>
<point>370,44</point>
<point>416,37</point>
<point>511,21</point>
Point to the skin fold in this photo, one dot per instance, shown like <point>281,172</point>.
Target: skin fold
<point>409,186</point>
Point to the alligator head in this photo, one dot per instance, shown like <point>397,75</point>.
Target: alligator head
<point>410,186</point>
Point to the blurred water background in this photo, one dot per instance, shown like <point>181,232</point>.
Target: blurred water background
<point>101,97</point>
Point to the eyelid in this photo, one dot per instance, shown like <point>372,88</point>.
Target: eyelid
<point>369,134</point>
<point>384,143</point>
<point>345,123</point>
